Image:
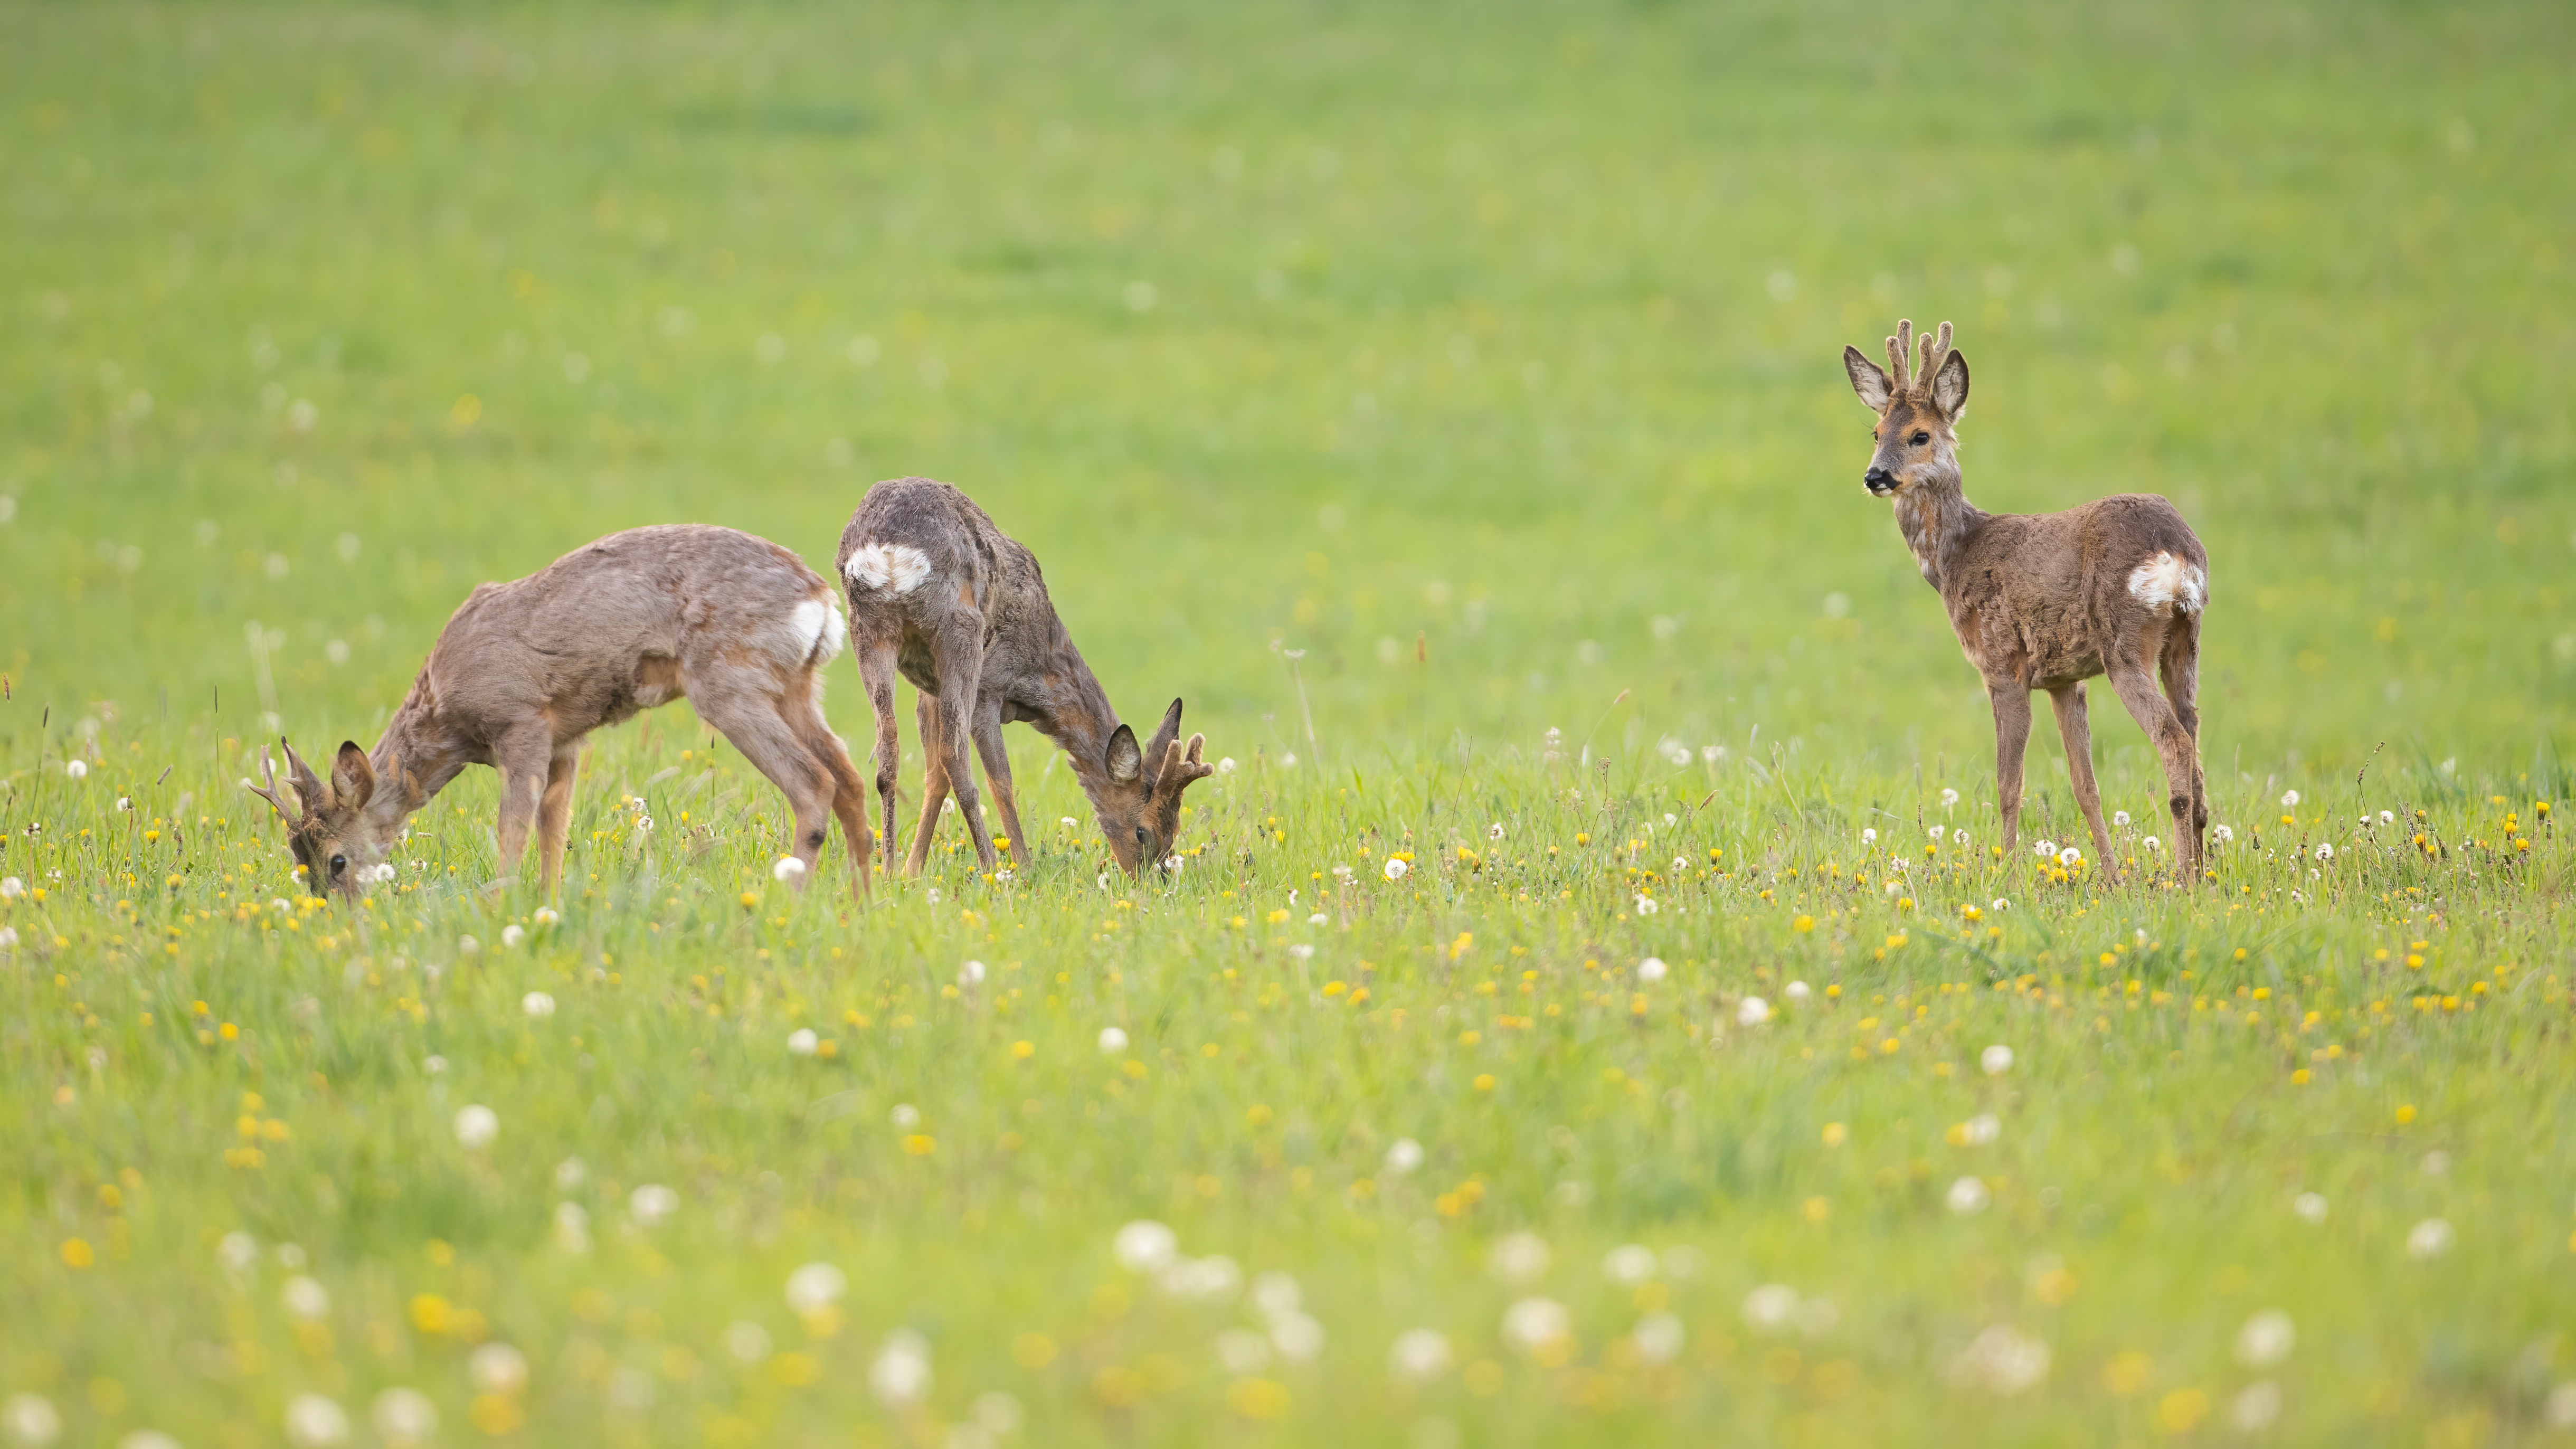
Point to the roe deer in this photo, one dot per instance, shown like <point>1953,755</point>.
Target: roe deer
<point>524,670</point>
<point>2046,601</point>
<point>940,594</point>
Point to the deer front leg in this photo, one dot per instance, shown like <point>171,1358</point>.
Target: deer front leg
<point>2180,754</point>
<point>2012,738</point>
<point>877,672</point>
<point>2077,732</point>
<point>997,776</point>
<point>934,785</point>
<point>525,758</point>
<point>959,651</point>
<point>554,814</point>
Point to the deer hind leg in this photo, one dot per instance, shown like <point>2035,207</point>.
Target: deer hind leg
<point>934,783</point>
<point>2012,739</point>
<point>997,776</point>
<point>958,650</point>
<point>525,757</point>
<point>554,813</point>
<point>2180,753</point>
<point>2077,731</point>
<point>747,707</point>
<point>2179,662</point>
<point>877,672</point>
<point>849,793</point>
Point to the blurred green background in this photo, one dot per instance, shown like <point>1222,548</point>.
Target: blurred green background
<point>1499,335</point>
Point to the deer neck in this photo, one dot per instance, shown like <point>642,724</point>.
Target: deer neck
<point>1073,710</point>
<point>417,755</point>
<point>1937,520</point>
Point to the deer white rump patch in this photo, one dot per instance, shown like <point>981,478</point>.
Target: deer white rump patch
<point>897,568</point>
<point>2166,580</point>
<point>815,622</point>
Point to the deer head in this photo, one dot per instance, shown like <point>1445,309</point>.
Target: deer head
<point>1140,806</point>
<point>337,842</point>
<point>1918,412</point>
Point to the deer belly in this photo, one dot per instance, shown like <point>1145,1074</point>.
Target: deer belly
<point>657,681</point>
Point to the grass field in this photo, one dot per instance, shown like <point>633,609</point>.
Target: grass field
<point>1444,400</point>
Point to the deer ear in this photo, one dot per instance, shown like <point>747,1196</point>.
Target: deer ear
<point>1124,760</point>
<point>1950,387</point>
<point>1868,380</point>
<point>353,779</point>
<point>1164,733</point>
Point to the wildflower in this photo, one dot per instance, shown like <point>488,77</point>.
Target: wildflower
<point>476,1126</point>
<point>2070,857</point>
<point>788,870</point>
<point>1395,868</point>
<point>1680,864</point>
<point>511,936</point>
<point>2289,798</point>
<point>238,1252</point>
<point>1419,1354</point>
<point>572,1227</point>
<point>651,1205</point>
<point>905,1116</point>
<point>1534,1325</point>
<point>2324,851</point>
<point>1796,991</point>
<point>8,938</point>
<point>12,888</point>
<point>1519,1257</point>
<point>971,974</point>
<point>2047,848</point>
<point>77,769</point>
<point>1659,1338</point>
<point>2266,1339</point>
<point>1402,1156</point>
<point>1112,1040</point>
<point>537,1004</point>
<point>1225,766</point>
<point>433,1064</point>
<point>1770,1308</point>
<point>1646,906</point>
<point>404,1417</point>
<point>2389,817</point>
<point>815,1287</point>
<point>1939,831</point>
<point>2002,1360</point>
<point>1869,837</point>
<point>644,823</point>
<point>748,1343</point>
<point>2253,1410</point>
<point>1318,919</point>
<point>1298,1337</point>
<point>1981,1130</point>
<point>1949,798</point>
<point>932,895</point>
<point>31,1419</point>
<point>1172,864</point>
<point>468,946</point>
<point>497,1368</point>
<point>803,1042</point>
<point>2430,1238</point>
<point>1146,1246</point>
<point>2310,1206</point>
<point>1967,1197</point>
<point>546,916</point>
<point>1752,1011</point>
<point>1302,951</point>
<point>2151,844</point>
<point>1651,969</point>
<point>1276,1295</point>
<point>306,1298</point>
<point>1995,1060</point>
<point>901,1374</point>
<point>1629,1264</point>
<point>314,1422</point>
<point>2222,834</point>
<point>1959,838</point>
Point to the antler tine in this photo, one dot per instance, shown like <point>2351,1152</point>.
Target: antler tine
<point>1181,766</point>
<point>268,771</point>
<point>1934,354</point>
<point>1899,348</point>
<point>308,785</point>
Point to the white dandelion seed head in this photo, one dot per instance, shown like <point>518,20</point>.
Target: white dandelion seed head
<point>2046,848</point>
<point>1519,1257</point>
<point>2310,1207</point>
<point>1646,906</point>
<point>77,769</point>
<point>30,1419</point>
<point>1213,1279</point>
<point>1396,868</point>
<point>1494,831</point>
<point>1531,1324</point>
<point>1146,1246</point>
<point>546,916</point>
<point>468,946</point>
<point>1298,1337</point>
<point>8,938</point>
<point>537,1004</point>
<point>2324,851</point>
<point>932,895</point>
<point>306,1298</point>
<point>511,936</point>
<point>1949,797</point>
<point>1959,838</point>
<point>2255,1407</point>
<point>1770,1308</point>
<point>1659,1338</point>
<point>314,1422</point>
<point>2070,857</point>
<point>1419,1354</point>
<point>1302,952</point>
<point>572,1227</point>
<point>433,1064</point>
<point>652,1205</point>
<point>815,1287</point>
<point>1869,836</point>
<point>1172,864</point>
<point>747,1343</point>
<point>2387,817</point>
<point>571,1173</point>
<point>2430,1238</point>
<point>1982,1130</point>
<point>904,1116</point>
<point>1112,1039</point>
<point>1995,1060</point>
<point>971,974</point>
<point>788,869</point>
<point>1752,1011</point>
<point>1225,766</point>
<point>2152,844</point>
<point>1968,1196</point>
<point>1629,1264</point>
<point>238,1253</point>
<point>1402,1156</point>
<point>1680,864</point>
<point>1275,1294</point>
<point>1288,762</point>
<point>404,1416</point>
<point>2289,798</point>
<point>1652,969</point>
<point>2222,833</point>
<point>803,1042</point>
<point>2119,817</point>
<point>1797,991</point>
<point>901,1374</point>
<point>2002,1360</point>
<point>1319,919</point>
<point>497,1368</point>
<point>1938,831</point>
<point>11,888</point>
<point>2266,1339</point>
<point>476,1126</point>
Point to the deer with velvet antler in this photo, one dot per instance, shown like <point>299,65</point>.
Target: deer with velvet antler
<point>2046,601</point>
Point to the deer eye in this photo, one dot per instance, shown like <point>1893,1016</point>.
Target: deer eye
<point>1921,438</point>
<point>339,863</point>
<point>1140,832</point>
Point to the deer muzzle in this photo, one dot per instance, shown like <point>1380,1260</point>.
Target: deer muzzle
<point>1879,481</point>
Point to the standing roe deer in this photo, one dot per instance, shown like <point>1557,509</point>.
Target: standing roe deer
<point>2046,601</point>
<point>941,594</point>
<point>525,669</point>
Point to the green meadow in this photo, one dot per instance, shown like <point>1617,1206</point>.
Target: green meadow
<point>1593,1006</point>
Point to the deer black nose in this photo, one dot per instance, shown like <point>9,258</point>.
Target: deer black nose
<point>1878,480</point>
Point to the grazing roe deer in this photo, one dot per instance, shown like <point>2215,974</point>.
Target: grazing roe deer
<point>2046,601</point>
<point>525,669</point>
<point>940,594</point>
